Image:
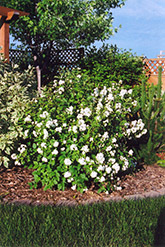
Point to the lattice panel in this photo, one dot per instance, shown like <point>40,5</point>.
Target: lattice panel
<point>16,56</point>
<point>57,57</point>
<point>66,57</point>
<point>153,65</point>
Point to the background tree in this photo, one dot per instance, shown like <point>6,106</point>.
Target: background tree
<point>62,24</point>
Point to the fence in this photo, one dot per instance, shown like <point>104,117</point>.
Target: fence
<point>151,66</point>
<point>51,61</point>
<point>61,58</point>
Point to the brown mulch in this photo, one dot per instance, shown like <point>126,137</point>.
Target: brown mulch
<point>14,188</point>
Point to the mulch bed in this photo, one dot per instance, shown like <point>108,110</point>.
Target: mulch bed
<point>147,182</point>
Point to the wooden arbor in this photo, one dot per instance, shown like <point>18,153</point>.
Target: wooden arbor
<point>6,16</point>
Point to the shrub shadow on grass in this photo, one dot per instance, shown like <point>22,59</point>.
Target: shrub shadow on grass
<point>160,230</point>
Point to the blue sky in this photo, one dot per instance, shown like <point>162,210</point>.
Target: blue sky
<point>143,27</point>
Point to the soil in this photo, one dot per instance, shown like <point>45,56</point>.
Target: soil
<point>148,181</point>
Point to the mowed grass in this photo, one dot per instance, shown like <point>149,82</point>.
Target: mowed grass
<point>126,223</point>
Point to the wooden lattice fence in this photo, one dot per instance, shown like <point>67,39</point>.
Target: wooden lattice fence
<point>153,64</point>
<point>50,63</point>
<point>62,58</point>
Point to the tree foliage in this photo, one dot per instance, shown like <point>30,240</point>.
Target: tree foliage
<point>66,22</point>
<point>61,24</point>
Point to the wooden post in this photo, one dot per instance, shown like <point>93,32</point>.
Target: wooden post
<point>6,16</point>
<point>4,40</point>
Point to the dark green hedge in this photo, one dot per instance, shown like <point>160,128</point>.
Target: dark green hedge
<point>127,223</point>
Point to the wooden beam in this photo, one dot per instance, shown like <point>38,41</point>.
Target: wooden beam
<point>4,11</point>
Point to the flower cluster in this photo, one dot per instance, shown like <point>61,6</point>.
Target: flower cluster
<point>77,138</point>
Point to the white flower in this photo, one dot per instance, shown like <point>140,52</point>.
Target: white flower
<point>134,103</point>
<point>59,129</point>
<point>74,128</point>
<point>14,156</point>
<point>64,125</point>
<point>116,167</point>
<point>99,106</point>
<point>106,113</point>
<point>93,174</point>
<point>103,92</point>
<point>79,76</point>
<point>128,132</point>
<point>49,124</point>
<point>111,160</point>
<point>39,125</point>
<point>39,150</point>
<point>62,149</point>
<point>100,158</point>
<point>134,129</point>
<point>46,134</point>
<point>73,187</point>
<point>130,91</point>
<point>67,162</point>
<point>44,114</point>
<point>100,168</point>
<point>61,82</point>
<point>102,179</point>
<point>144,131</point>
<point>26,133</point>
<point>82,127</point>
<point>105,136</point>
<point>87,159</point>
<point>28,119</point>
<point>110,97</point>
<point>98,118</point>
<point>56,143</point>
<point>73,147</point>
<point>55,151</point>
<point>122,93</point>
<point>67,174</point>
<point>82,161</point>
<point>43,145</point>
<point>22,148</point>
<point>91,139</point>
<point>34,133</point>
<point>61,90</point>
<point>114,140</point>
<point>85,149</point>
<point>96,92</point>
<point>118,105</point>
<point>69,110</point>
<point>112,153</point>
<point>79,116</point>
<point>44,159</point>
<point>108,170</point>
<point>69,180</point>
<point>64,141</point>
<point>17,163</point>
<point>130,152</point>
<point>108,148</point>
<point>86,112</point>
<point>55,122</point>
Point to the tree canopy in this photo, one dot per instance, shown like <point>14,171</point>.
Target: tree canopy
<point>67,22</point>
<point>61,24</point>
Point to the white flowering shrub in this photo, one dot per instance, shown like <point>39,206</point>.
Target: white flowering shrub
<point>76,136</point>
<point>15,92</point>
